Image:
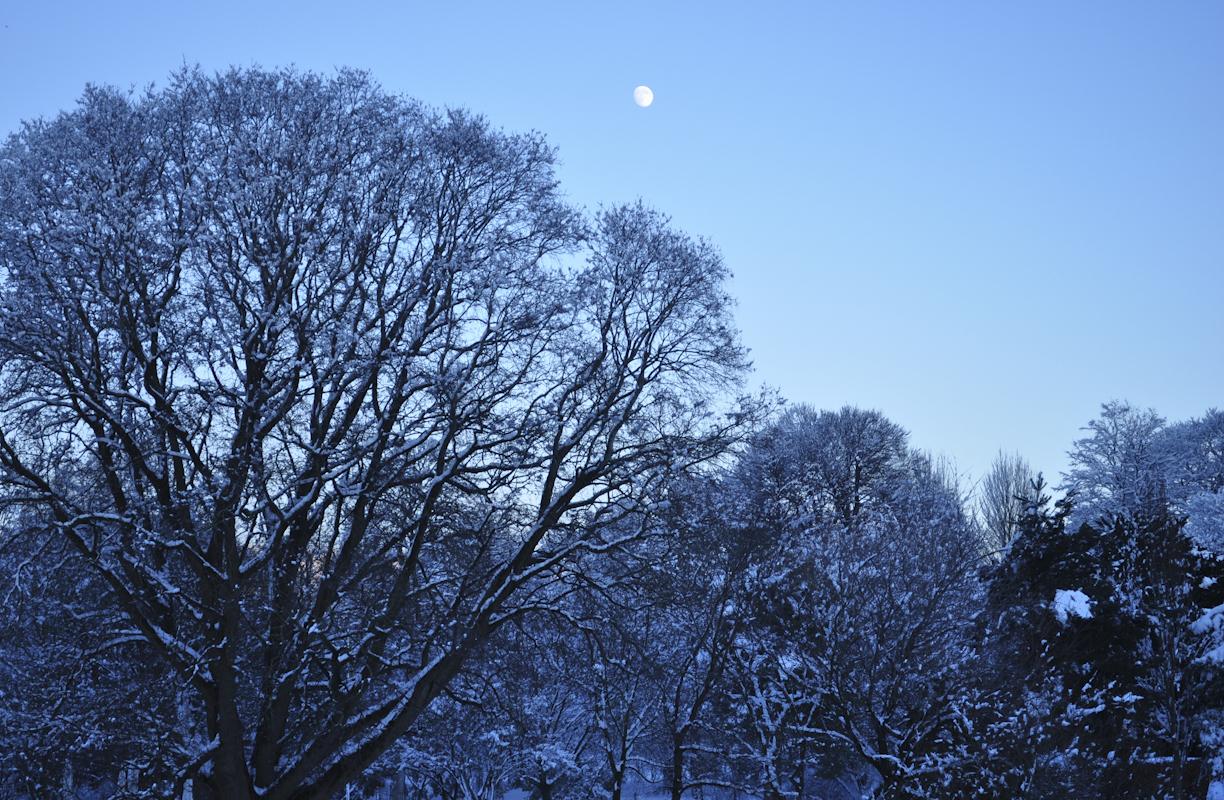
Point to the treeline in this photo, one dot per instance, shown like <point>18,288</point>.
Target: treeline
<point>825,619</point>
<point>338,453</point>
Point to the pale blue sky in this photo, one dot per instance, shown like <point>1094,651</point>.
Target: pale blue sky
<point>982,218</point>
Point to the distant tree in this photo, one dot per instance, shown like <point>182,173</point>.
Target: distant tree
<point>78,705</point>
<point>855,621</point>
<point>537,698</point>
<point>1120,467</point>
<point>826,464</point>
<point>620,675</point>
<point>698,579</point>
<point>1001,500</point>
<point>325,389</point>
<point>1195,453</point>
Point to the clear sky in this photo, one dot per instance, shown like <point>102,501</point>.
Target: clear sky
<point>983,219</point>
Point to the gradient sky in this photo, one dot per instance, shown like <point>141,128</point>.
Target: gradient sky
<point>983,219</point>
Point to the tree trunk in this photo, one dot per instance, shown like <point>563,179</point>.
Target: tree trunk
<point>677,787</point>
<point>398,791</point>
<point>544,786</point>
<point>801,771</point>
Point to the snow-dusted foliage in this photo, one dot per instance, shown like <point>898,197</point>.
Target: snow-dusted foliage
<point>339,456</point>
<point>322,389</point>
<point>850,654</point>
<point>1121,465</point>
<point>1132,461</point>
<point>1105,689</point>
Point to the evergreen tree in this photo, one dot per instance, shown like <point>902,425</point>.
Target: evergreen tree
<point>1091,676</point>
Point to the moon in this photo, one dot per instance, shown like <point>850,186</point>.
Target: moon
<point>643,96</point>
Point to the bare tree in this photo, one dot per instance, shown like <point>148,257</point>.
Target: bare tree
<point>1001,500</point>
<point>327,388</point>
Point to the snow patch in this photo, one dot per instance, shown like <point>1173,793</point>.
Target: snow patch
<point>1212,620</point>
<point>1071,603</point>
<point>1212,623</point>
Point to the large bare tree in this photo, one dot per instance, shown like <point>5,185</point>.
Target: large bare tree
<point>326,387</point>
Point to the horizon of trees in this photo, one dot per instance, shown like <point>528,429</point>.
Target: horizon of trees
<point>338,453</point>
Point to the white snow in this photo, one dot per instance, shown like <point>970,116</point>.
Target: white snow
<point>1212,622</point>
<point>1071,603</point>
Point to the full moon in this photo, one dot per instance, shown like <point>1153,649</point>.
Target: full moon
<point>643,96</point>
